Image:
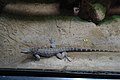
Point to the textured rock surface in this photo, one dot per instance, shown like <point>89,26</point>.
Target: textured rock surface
<point>100,11</point>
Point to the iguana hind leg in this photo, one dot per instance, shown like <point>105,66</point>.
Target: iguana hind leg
<point>64,56</point>
<point>60,56</point>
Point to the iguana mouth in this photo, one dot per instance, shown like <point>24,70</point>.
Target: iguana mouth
<point>25,51</point>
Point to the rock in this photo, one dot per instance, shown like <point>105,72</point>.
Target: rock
<point>94,12</point>
<point>100,11</point>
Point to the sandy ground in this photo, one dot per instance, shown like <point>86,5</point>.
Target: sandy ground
<point>21,32</point>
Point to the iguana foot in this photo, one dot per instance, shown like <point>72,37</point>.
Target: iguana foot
<point>60,56</point>
<point>68,59</point>
<point>37,56</point>
<point>64,56</point>
<point>52,43</point>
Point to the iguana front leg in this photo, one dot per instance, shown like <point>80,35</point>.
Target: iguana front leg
<point>35,53</point>
<point>36,56</point>
<point>52,43</point>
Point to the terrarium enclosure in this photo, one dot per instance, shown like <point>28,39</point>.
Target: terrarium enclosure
<point>32,23</point>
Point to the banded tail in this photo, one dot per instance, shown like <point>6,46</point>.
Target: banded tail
<point>88,50</point>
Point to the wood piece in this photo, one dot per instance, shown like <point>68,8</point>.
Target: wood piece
<point>32,9</point>
<point>115,10</point>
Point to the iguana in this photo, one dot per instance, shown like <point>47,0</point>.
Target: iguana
<point>58,52</point>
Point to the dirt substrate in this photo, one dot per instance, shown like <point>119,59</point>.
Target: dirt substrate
<point>18,32</point>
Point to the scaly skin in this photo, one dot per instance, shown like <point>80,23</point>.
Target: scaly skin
<point>49,52</point>
<point>58,52</point>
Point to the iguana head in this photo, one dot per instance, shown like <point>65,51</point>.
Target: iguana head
<point>26,51</point>
<point>29,50</point>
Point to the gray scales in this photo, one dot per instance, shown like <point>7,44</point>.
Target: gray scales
<point>60,53</point>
